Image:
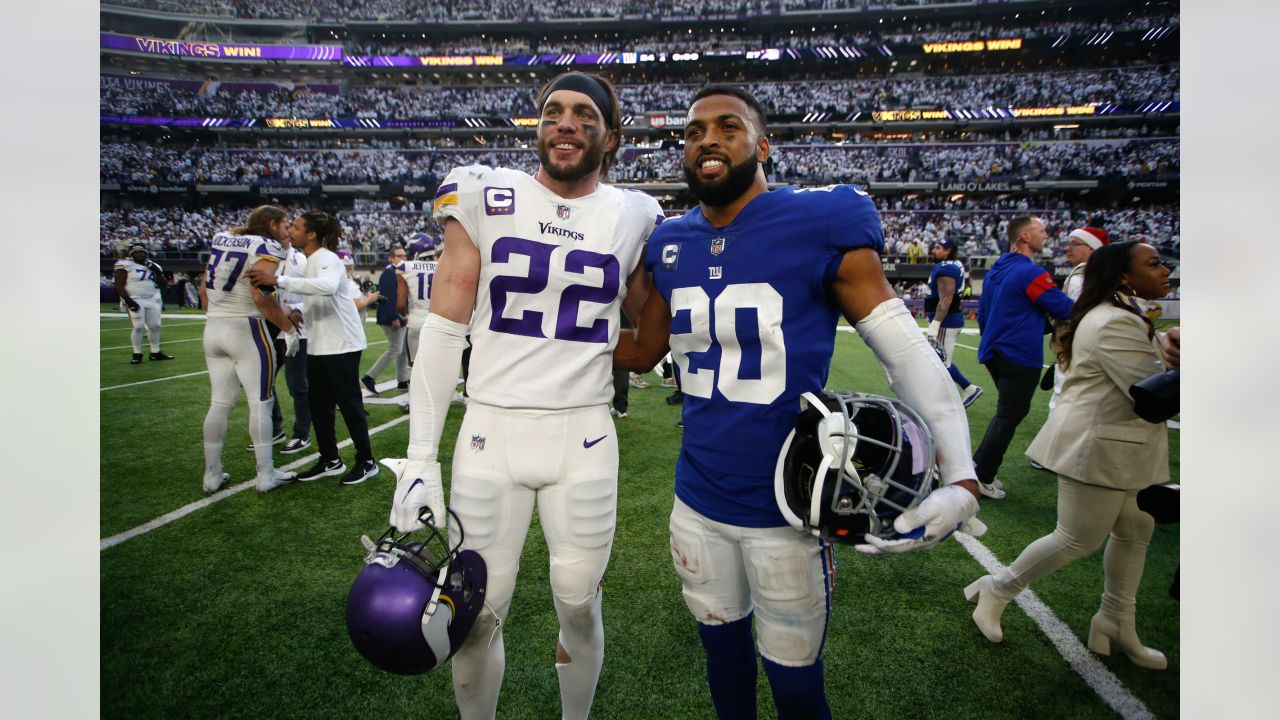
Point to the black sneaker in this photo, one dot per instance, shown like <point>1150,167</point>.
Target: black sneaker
<point>323,468</point>
<point>675,398</point>
<point>403,385</point>
<point>137,359</point>
<point>295,445</point>
<point>275,440</point>
<point>369,385</point>
<point>160,356</point>
<point>360,472</point>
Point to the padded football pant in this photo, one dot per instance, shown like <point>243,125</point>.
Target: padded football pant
<point>414,333</point>
<point>396,353</point>
<point>1087,515</point>
<point>146,319</point>
<point>781,575</point>
<point>239,353</point>
<point>566,463</point>
<point>334,380</point>
<point>1015,385</point>
<point>947,338</point>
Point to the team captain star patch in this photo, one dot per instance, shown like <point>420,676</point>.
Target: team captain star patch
<point>477,443</point>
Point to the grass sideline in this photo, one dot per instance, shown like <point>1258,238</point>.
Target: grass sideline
<point>236,611</point>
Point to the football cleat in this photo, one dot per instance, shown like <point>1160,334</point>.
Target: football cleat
<point>214,481</point>
<point>970,395</point>
<point>160,356</point>
<point>414,602</point>
<point>852,465</point>
<point>137,359</point>
<point>276,479</point>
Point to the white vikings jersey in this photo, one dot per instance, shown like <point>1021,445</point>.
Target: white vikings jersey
<point>141,284</point>
<point>225,279</point>
<point>553,273</point>
<point>418,274</point>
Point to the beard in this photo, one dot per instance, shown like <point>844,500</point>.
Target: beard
<point>592,154</point>
<point>721,192</point>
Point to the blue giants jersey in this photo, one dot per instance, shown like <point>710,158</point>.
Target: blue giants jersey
<point>954,270</point>
<point>753,326</point>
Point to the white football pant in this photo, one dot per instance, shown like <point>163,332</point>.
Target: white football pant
<point>781,574</point>
<point>566,463</point>
<point>239,354</point>
<point>146,319</point>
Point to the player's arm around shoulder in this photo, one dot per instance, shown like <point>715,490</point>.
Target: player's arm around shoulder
<point>269,305</point>
<point>641,349</point>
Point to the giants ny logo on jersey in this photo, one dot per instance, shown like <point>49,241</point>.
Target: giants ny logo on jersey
<point>499,201</point>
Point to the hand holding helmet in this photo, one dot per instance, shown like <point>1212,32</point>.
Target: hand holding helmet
<point>418,486</point>
<point>942,512</point>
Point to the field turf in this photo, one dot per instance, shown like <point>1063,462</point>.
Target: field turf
<point>236,609</point>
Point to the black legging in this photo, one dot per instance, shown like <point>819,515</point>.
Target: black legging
<point>1015,385</point>
<point>334,381</point>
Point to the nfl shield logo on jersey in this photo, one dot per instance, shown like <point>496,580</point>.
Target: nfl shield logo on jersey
<point>477,443</point>
<point>562,212</point>
<point>717,246</point>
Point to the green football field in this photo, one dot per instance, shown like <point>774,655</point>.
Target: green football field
<point>234,608</point>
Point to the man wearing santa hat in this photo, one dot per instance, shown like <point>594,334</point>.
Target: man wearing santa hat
<point>1080,245</point>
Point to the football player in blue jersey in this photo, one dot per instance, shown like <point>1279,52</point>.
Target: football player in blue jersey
<point>942,305</point>
<point>748,288</point>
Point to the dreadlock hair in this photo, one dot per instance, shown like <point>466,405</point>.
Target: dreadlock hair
<point>325,226</point>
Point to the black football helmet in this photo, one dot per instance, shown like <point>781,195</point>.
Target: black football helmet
<point>852,465</point>
<point>414,602</point>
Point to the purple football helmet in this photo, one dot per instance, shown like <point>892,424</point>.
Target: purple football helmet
<point>422,246</point>
<point>414,603</point>
<point>852,465</point>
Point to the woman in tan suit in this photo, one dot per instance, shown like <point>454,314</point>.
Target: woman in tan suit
<point>1102,452</point>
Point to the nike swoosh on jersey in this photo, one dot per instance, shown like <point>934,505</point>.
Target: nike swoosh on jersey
<point>588,443</point>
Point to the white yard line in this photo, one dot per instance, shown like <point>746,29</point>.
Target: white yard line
<point>187,375</point>
<point>1085,663</point>
<point>166,342</point>
<point>186,510</point>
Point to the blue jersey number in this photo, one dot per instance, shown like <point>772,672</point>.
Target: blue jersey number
<point>761,348</point>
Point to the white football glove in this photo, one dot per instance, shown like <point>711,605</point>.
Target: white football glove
<point>931,332</point>
<point>291,343</point>
<point>942,512</point>
<point>417,486</point>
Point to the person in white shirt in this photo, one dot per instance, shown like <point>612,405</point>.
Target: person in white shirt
<point>536,269</point>
<point>237,342</point>
<point>139,281</point>
<point>1079,247</point>
<point>335,340</point>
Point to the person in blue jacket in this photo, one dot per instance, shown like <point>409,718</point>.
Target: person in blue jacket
<point>1017,297</point>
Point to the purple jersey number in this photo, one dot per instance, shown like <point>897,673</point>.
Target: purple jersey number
<point>529,323</point>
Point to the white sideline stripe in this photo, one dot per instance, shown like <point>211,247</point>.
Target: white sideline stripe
<point>186,510</point>
<point>166,342</point>
<point>176,377</point>
<point>1087,666</point>
<point>125,316</point>
<point>175,324</point>
<point>154,380</point>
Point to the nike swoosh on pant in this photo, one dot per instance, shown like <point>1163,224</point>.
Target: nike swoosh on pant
<point>588,443</point>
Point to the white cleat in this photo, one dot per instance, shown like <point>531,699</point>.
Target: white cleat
<point>278,478</point>
<point>214,481</point>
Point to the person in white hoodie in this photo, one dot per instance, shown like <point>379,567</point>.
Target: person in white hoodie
<point>334,344</point>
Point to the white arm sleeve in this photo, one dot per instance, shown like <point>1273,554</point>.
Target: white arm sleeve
<point>435,376</point>
<point>920,380</point>
<point>325,283</point>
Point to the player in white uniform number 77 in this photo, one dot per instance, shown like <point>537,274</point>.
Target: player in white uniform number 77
<point>537,266</point>
<point>237,344</point>
<point>138,283</point>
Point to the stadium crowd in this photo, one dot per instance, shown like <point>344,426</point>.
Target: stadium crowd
<point>1039,89</point>
<point>137,163</point>
<point>686,39</point>
<point>337,10</point>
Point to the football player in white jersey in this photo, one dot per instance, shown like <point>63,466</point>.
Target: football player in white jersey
<point>237,343</point>
<point>536,268</point>
<point>417,276</point>
<point>139,282</point>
